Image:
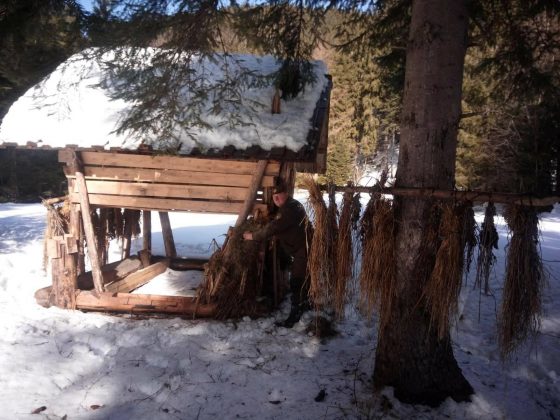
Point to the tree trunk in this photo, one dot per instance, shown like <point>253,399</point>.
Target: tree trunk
<point>410,357</point>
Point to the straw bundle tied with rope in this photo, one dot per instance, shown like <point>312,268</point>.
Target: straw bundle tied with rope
<point>488,241</point>
<point>344,257</point>
<point>522,297</point>
<point>318,265</point>
<point>58,219</point>
<point>442,289</point>
<point>378,259</point>
<point>234,275</point>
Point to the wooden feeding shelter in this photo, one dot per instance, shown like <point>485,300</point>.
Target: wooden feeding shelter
<point>113,174</point>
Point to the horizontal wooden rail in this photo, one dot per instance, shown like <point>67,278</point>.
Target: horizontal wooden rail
<point>474,196</point>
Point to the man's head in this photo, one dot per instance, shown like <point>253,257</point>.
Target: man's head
<point>280,193</point>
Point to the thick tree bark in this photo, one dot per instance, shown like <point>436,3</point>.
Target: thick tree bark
<point>410,357</point>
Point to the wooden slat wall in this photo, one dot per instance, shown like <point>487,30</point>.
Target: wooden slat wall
<point>167,183</point>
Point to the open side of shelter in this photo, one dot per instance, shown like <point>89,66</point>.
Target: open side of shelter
<point>130,185</point>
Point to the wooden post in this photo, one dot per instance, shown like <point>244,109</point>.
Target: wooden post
<point>147,230</point>
<point>252,192</point>
<point>127,238</point>
<point>77,232</point>
<point>88,226</point>
<point>168,241</point>
<point>63,251</point>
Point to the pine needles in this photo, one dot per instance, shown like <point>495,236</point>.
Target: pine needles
<point>524,281</point>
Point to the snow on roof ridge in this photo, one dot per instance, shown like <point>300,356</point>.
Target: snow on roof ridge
<point>70,107</point>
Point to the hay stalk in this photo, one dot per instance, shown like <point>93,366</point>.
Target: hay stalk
<point>488,241</point>
<point>344,257</point>
<point>522,298</point>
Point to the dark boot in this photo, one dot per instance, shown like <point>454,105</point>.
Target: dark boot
<point>295,315</point>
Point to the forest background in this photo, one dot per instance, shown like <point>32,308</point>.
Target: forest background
<point>509,130</point>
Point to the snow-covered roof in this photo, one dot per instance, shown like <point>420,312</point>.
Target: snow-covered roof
<point>74,106</point>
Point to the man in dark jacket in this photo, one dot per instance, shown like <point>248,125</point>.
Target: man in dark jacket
<point>293,231</point>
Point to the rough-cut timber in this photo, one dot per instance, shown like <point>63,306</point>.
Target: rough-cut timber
<point>167,232</point>
<point>138,278</point>
<point>137,303</point>
<point>112,272</point>
<point>251,193</point>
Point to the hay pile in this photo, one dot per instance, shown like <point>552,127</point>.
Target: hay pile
<point>524,282</point>
<point>234,275</point>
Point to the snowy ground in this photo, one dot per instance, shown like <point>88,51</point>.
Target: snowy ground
<point>76,365</point>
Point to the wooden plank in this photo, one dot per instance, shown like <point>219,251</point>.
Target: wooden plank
<point>137,303</point>
<point>147,230</point>
<point>148,203</point>
<point>111,272</point>
<point>171,176</point>
<point>251,193</point>
<point>88,226</point>
<point>166,162</point>
<point>167,233</point>
<point>138,278</point>
<point>144,189</point>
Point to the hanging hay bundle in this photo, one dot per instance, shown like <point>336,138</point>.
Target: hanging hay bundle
<point>233,275</point>
<point>524,281</point>
<point>441,291</point>
<point>344,257</point>
<point>488,241</point>
<point>378,263</point>
<point>58,220</point>
<point>332,240</point>
<point>469,234</point>
<point>317,260</point>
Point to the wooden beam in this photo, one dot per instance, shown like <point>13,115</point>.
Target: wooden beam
<point>167,162</point>
<point>251,194</point>
<point>88,226</point>
<point>144,189</point>
<point>474,196</point>
<point>150,203</point>
<point>167,233</point>
<point>137,303</point>
<point>171,176</point>
<point>111,272</point>
<point>138,278</point>
<point>147,230</point>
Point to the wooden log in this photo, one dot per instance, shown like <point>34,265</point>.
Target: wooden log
<point>88,226</point>
<point>251,194</point>
<point>145,257</point>
<point>147,230</point>
<point>138,278</point>
<point>45,297</point>
<point>64,275</point>
<point>183,264</point>
<point>149,203</point>
<point>137,303</point>
<point>167,233</point>
<point>474,196</point>
<point>111,272</point>
<point>223,166</point>
<point>171,176</point>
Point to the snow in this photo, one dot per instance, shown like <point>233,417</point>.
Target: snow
<point>98,366</point>
<point>70,107</point>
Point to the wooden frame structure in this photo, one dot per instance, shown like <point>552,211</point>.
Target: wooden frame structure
<point>234,182</point>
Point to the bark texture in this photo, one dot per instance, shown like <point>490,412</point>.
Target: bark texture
<point>410,357</point>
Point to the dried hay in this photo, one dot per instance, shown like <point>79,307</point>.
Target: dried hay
<point>234,275</point>
<point>318,265</point>
<point>441,292</point>
<point>332,240</point>
<point>470,230</point>
<point>344,257</point>
<point>58,220</point>
<point>488,241</point>
<point>378,260</point>
<point>524,281</point>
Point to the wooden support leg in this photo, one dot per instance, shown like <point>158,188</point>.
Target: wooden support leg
<point>168,241</point>
<point>63,251</point>
<point>252,192</point>
<point>147,230</point>
<point>127,238</point>
<point>77,232</point>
